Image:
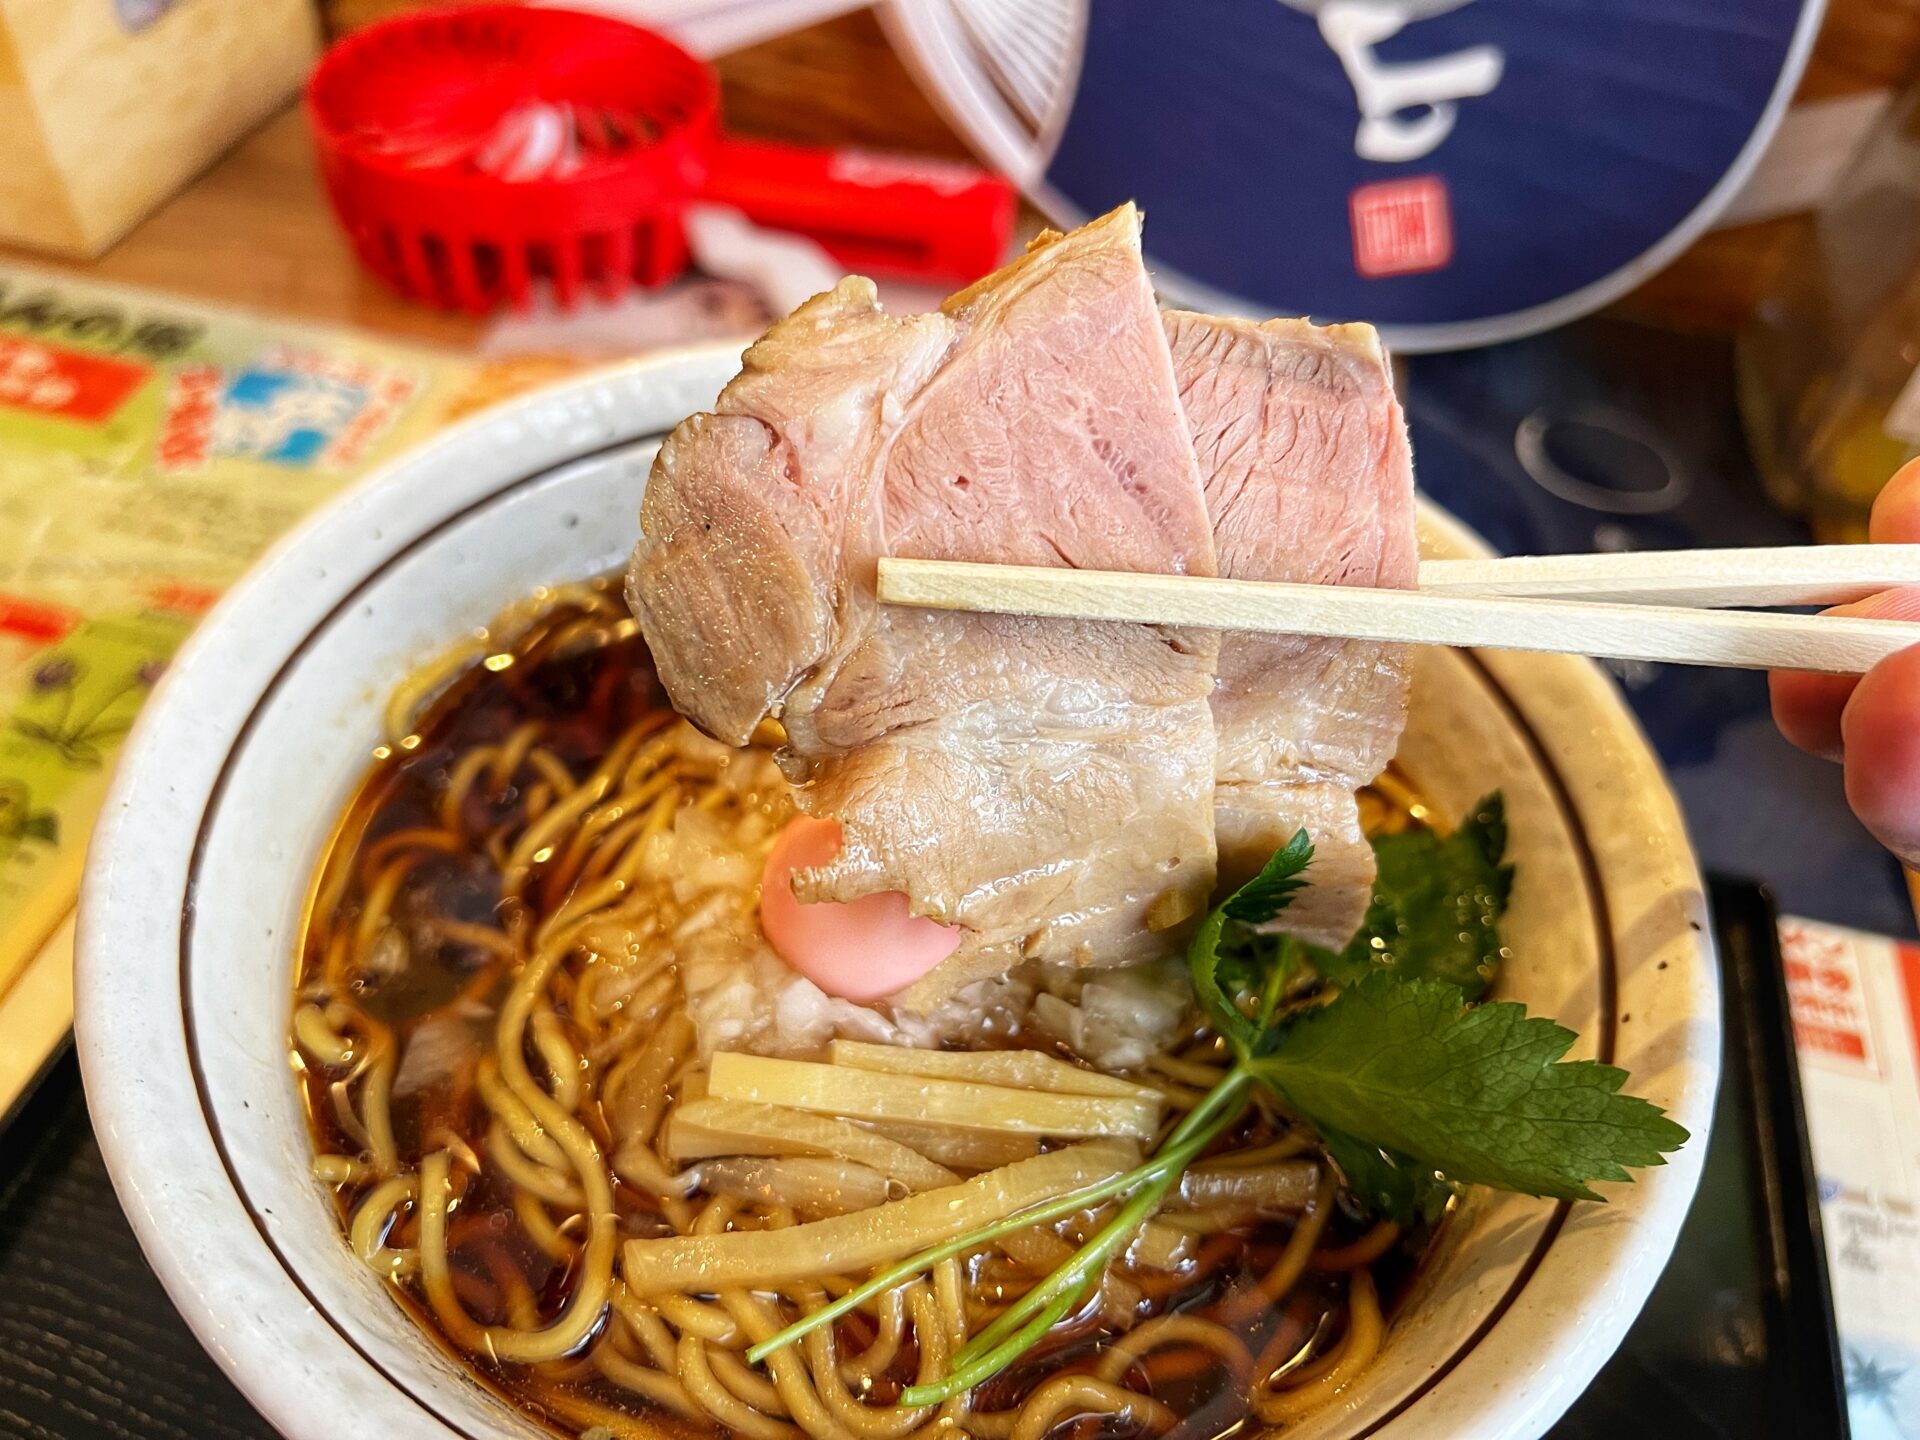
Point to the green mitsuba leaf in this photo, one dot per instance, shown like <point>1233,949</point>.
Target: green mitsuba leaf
<point>1481,1095</point>
<point>1227,959</point>
<point>1203,964</point>
<point>1392,1187</point>
<point>1272,890</point>
<point>1436,908</point>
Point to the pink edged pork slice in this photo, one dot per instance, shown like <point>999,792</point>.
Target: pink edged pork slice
<point>1308,475</point>
<point>1046,786</point>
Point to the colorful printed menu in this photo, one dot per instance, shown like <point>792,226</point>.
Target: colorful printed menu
<point>150,449</point>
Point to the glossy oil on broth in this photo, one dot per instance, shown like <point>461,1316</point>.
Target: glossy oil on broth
<point>490,1030</point>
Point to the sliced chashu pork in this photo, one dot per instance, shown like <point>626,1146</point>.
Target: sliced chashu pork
<point>1047,786</point>
<point>1308,475</point>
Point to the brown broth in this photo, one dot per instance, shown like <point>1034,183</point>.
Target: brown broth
<point>585,679</point>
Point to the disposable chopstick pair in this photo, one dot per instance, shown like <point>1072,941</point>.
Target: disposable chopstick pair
<point>1649,605</point>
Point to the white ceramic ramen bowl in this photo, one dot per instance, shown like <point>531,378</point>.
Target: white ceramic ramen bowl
<point>244,757</point>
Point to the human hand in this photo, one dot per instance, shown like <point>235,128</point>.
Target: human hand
<point>1872,722</point>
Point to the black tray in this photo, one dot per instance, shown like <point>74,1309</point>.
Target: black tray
<point>1737,1341</point>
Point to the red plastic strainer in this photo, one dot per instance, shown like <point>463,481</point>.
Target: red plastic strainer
<point>472,150</point>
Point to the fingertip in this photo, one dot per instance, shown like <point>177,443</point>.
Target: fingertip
<point>1880,729</point>
<point>1807,709</point>
<point>1900,604</point>
<point>1896,513</point>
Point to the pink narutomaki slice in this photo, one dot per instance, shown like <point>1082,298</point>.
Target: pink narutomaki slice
<point>859,950</point>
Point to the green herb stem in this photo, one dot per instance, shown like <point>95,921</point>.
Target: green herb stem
<point>1074,1275</point>
<point>924,1261</point>
<point>1225,1092</point>
<point>1286,965</point>
<point>1085,1198</point>
<point>961,1379</point>
<point>1180,1149</point>
<point>1026,1322</point>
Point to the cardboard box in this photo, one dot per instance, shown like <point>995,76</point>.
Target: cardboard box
<point>109,106</point>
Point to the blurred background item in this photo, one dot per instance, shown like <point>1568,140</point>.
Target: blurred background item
<point>1650,155</point>
<point>1830,359</point>
<point>1456,171</point>
<point>478,152</point>
<point>107,108</point>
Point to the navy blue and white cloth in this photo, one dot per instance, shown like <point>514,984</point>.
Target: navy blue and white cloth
<point>1455,171</point>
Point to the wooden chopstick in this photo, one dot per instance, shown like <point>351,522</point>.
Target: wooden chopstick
<point>1737,639</point>
<point>1784,575</point>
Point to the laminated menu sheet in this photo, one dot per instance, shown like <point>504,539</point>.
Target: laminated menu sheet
<point>1856,1020</point>
<point>149,450</point>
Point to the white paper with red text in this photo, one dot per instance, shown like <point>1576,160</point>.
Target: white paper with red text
<point>1856,1019</point>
